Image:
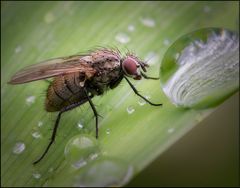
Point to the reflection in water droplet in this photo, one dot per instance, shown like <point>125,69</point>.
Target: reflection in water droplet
<point>148,22</point>
<point>131,28</point>
<point>104,172</point>
<point>30,100</point>
<point>170,130</point>
<point>18,49</point>
<point>122,38</point>
<point>36,135</point>
<point>36,175</point>
<point>18,148</point>
<point>40,123</point>
<point>141,102</point>
<point>79,149</point>
<point>176,56</point>
<point>130,110</point>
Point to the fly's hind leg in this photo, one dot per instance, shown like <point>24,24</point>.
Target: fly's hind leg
<point>137,93</point>
<point>67,108</point>
<point>94,110</point>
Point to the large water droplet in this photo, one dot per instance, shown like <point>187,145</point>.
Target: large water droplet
<point>130,109</point>
<point>79,149</point>
<point>205,72</point>
<point>122,38</point>
<point>104,172</point>
<point>18,148</point>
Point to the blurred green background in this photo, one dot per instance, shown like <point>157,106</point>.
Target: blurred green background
<point>34,31</point>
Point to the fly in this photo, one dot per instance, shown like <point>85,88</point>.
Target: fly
<point>78,78</point>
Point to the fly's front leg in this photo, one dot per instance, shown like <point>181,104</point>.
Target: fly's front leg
<point>94,110</point>
<point>148,77</point>
<point>137,93</point>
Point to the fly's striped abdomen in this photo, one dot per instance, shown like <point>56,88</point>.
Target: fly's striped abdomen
<point>64,91</point>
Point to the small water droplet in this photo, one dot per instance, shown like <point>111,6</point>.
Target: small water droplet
<point>130,110</point>
<point>18,148</point>
<point>104,172</point>
<point>40,123</point>
<point>147,97</point>
<point>30,100</point>
<point>50,170</point>
<point>49,17</point>
<point>122,38</point>
<point>18,49</point>
<point>170,130</point>
<point>93,156</point>
<point>108,131</point>
<point>36,135</point>
<point>148,22</point>
<point>36,175</point>
<point>79,149</point>
<point>80,125</point>
<point>207,9</point>
<point>131,28</point>
<point>166,42</point>
<point>141,102</point>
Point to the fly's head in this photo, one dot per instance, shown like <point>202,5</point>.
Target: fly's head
<point>132,66</point>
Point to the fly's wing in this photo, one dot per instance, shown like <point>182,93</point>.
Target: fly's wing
<point>54,67</point>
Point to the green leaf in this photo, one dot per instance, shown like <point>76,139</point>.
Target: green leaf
<point>35,31</point>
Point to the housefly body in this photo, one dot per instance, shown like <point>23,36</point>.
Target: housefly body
<point>78,78</point>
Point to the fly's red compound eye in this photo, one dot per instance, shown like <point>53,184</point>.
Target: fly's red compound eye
<point>130,66</point>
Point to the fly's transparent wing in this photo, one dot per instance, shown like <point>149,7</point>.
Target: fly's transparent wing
<point>54,67</point>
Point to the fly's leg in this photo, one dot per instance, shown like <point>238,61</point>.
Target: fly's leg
<point>137,93</point>
<point>148,77</point>
<point>94,111</point>
<point>67,108</point>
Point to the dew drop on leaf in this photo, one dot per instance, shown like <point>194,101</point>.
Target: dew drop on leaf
<point>114,173</point>
<point>108,131</point>
<point>205,72</point>
<point>36,175</point>
<point>30,100</point>
<point>18,148</point>
<point>79,149</point>
<point>130,110</point>
<point>122,38</point>
<point>148,22</point>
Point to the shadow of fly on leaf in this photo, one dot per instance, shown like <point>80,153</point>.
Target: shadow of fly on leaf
<point>78,78</point>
